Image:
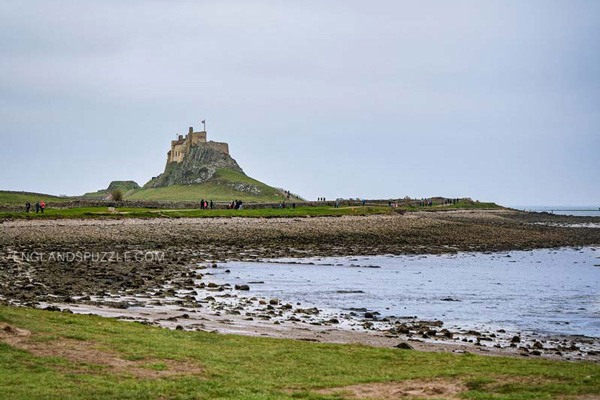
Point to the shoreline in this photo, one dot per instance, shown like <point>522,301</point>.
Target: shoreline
<point>220,308</point>
<point>136,287</point>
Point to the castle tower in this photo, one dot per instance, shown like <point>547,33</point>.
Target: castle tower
<point>183,145</point>
<point>188,139</point>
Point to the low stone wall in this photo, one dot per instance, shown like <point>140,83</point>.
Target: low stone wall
<point>178,205</point>
<point>174,205</point>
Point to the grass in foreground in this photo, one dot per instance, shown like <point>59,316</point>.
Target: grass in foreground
<point>104,212</point>
<point>51,362</point>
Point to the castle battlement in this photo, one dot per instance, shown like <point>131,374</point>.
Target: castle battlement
<point>182,146</point>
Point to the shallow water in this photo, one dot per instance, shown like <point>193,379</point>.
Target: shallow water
<point>540,291</point>
<point>575,211</point>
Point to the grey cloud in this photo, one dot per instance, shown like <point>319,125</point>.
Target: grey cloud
<point>491,99</point>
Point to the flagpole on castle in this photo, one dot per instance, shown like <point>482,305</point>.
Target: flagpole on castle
<point>204,125</point>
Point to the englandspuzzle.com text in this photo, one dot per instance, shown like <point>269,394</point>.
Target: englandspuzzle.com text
<point>91,256</point>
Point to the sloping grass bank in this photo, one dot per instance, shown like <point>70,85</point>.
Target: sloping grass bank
<point>226,185</point>
<point>8,197</point>
<point>46,354</point>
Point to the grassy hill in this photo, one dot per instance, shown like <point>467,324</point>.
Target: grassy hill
<point>226,185</point>
<point>124,186</point>
<point>20,198</point>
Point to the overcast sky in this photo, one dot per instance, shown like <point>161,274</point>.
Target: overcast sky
<point>496,100</point>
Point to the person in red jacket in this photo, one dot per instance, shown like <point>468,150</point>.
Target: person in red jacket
<point>42,206</point>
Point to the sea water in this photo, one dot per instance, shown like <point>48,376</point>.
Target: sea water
<point>576,211</point>
<point>548,291</point>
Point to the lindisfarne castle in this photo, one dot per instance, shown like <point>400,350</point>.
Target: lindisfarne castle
<point>193,159</point>
<point>183,144</point>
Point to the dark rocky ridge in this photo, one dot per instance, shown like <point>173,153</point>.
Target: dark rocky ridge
<point>199,166</point>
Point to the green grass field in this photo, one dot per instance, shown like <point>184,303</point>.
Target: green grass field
<point>104,212</point>
<point>305,211</point>
<point>65,356</point>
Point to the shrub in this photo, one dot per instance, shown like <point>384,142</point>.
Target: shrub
<point>116,195</point>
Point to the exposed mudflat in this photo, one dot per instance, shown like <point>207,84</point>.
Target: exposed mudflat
<point>114,281</point>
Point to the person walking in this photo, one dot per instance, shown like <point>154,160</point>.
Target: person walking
<point>42,206</point>
<point>37,207</point>
<point>27,207</point>
<point>211,205</point>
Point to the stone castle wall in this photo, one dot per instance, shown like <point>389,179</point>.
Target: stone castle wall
<point>181,147</point>
<point>218,146</point>
<point>194,138</point>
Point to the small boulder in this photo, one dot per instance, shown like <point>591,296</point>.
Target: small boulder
<point>404,346</point>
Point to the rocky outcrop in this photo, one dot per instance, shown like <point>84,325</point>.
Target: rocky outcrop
<point>105,194</point>
<point>198,166</point>
<point>122,185</point>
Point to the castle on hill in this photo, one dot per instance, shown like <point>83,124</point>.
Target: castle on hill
<point>181,147</point>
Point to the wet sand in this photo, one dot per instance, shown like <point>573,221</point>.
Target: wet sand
<point>143,290</point>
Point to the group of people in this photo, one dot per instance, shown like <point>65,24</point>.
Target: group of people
<point>451,201</point>
<point>236,205</point>
<point>209,205</point>
<point>205,205</point>
<point>283,204</point>
<point>40,206</point>
<point>429,202</point>
<point>321,199</point>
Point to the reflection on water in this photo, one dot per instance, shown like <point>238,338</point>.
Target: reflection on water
<point>544,291</point>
